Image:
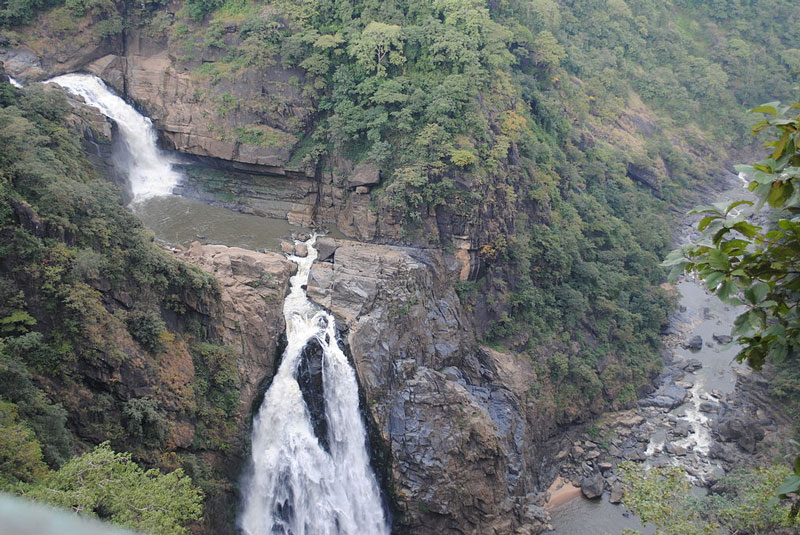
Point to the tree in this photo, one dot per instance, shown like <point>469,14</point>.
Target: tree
<point>743,502</point>
<point>379,42</point>
<point>660,497</point>
<point>110,485</point>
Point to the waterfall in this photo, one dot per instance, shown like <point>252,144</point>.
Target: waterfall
<point>296,486</point>
<point>149,171</point>
<point>14,83</point>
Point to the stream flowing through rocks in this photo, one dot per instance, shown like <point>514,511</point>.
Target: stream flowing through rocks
<point>698,416</point>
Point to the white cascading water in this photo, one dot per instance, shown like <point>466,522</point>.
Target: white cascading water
<point>296,487</point>
<point>14,83</point>
<point>150,172</point>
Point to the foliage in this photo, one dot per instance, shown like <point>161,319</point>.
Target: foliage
<point>661,497</point>
<point>144,421</point>
<point>744,502</point>
<point>216,390</point>
<point>147,327</point>
<point>20,453</point>
<point>749,504</point>
<point>110,485</point>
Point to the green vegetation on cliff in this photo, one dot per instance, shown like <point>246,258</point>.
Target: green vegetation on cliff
<point>555,135</point>
<point>96,342</point>
<point>559,150</point>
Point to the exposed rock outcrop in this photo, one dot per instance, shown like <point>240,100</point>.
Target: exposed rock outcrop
<point>454,416</point>
<point>252,289</point>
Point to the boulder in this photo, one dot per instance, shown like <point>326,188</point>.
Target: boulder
<point>365,174</point>
<point>616,492</point>
<point>325,246</point>
<point>707,406</point>
<point>605,467</point>
<point>668,396</point>
<point>592,486</point>
<point>695,343</point>
<point>675,449</point>
<point>745,431</point>
<point>722,338</point>
<point>692,365</point>
<point>301,250</point>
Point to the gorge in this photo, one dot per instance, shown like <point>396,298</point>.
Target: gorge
<point>481,303</point>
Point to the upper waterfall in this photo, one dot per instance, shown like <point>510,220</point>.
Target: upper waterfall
<point>14,82</point>
<point>149,171</point>
<point>296,485</point>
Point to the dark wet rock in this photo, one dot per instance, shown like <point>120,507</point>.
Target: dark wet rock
<point>633,454</point>
<point>719,451</point>
<point>301,250</point>
<point>707,406</point>
<point>692,365</point>
<point>745,431</point>
<point>675,449</point>
<point>723,338</point>
<point>668,396</point>
<point>326,247</point>
<point>309,377</point>
<point>695,343</point>
<point>592,486</point>
<point>682,430</point>
<point>670,330</point>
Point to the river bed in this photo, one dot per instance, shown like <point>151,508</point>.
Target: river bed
<point>702,314</point>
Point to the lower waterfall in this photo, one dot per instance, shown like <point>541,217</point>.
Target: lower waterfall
<point>149,171</point>
<point>297,486</point>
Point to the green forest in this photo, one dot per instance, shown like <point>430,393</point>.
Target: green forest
<point>570,134</point>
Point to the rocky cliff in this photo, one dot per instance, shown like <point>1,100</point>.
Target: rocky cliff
<point>458,425</point>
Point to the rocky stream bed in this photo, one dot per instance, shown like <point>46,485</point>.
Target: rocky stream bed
<point>706,413</point>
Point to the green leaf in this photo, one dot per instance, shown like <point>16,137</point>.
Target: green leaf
<point>737,203</point>
<point>713,280</point>
<point>705,221</point>
<point>726,290</point>
<point>674,258</point>
<point>760,291</point>
<point>779,193</point>
<point>746,228</point>
<point>770,108</point>
<point>705,208</point>
<point>718,260</point>
<point>790,484</point>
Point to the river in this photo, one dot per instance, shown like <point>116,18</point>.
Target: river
<point>701,314</point>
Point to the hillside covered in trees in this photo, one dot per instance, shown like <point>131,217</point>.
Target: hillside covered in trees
<point>552,142</point>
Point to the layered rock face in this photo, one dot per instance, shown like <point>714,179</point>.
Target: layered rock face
<point>248,126</point>
<point>455,418</point>
<point>252,289</point>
